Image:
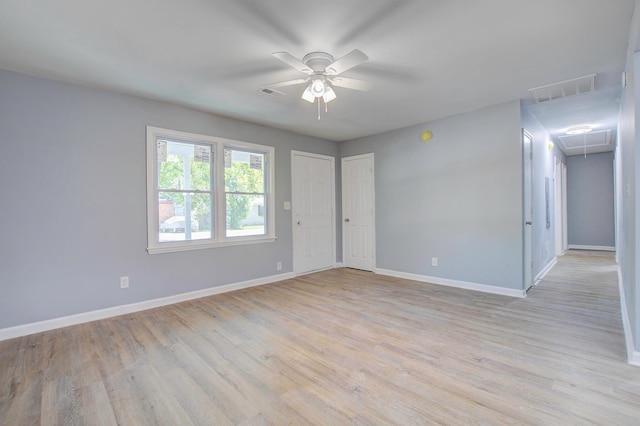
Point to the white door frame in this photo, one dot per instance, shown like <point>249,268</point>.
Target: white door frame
<point>372,236</point>
<point>559,202</point>
<point>332,160</point>
<point>565,214</point>
<point>527,209</point>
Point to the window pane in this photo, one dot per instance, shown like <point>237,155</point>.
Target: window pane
<point>245,215</point>
<point>183,166</point>
<point>243,171</point>
<point>184,216</point>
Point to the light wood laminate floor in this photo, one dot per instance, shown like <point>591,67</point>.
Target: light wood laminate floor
<point>340,347</point>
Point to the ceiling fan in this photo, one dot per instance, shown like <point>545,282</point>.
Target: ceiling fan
<point>323,72</point>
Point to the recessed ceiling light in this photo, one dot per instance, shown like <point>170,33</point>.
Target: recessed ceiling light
<point>578,130</point>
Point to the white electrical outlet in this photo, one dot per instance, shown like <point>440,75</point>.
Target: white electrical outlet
<point>279,266</point>
<point>124,282</point>
<point>434,261</point>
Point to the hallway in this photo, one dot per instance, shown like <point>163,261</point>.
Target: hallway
<point>578,302</point>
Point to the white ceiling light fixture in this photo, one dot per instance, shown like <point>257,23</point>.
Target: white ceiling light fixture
<point>328,95</point>
<point>307,95</point>
<point>579,130</point>
<point>317,87</point>
<point>322,70</point>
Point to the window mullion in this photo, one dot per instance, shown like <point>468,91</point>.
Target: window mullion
<point>184,191</point>
<point>244,193</point>
<point>221,211</point>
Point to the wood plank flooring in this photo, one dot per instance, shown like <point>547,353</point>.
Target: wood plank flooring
<point>340,347</point>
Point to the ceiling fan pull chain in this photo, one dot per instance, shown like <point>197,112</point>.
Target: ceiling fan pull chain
<point>318,109</point>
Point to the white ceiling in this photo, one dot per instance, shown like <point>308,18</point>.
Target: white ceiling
<point>428,59</point>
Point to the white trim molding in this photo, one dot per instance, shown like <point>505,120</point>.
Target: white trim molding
<point>545,271</point>
<point>454,283</point>
<point>633,356</point>
<point>37,327</point>
<point>584,247</point>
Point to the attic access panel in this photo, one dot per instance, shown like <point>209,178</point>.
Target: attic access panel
<point>597,138</point>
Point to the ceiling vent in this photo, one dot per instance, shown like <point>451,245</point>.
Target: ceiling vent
<point>271,92</point>
<point>601,138</point>
<point>577,86</point>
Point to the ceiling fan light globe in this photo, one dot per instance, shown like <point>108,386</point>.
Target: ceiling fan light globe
<point>307,95</point>
<point>329,94</point>
<point>317,87</point>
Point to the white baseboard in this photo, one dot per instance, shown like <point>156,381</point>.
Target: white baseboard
<point>633,356</point>
<point>37,327</point>
<point>339,265</point>
<point>545,270</point>
<point>454,283</point>
<point>600,248</point>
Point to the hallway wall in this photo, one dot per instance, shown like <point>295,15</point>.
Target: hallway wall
<point>590,201</point>
<point>628,195</point>
<point>543,251</point>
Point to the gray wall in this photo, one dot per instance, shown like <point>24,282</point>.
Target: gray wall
<point>457,197</point>
<point>72,181</point>
<point>543,168</point>
<point>590,200</point>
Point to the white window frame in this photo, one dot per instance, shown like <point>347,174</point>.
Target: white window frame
<point>218,213</point>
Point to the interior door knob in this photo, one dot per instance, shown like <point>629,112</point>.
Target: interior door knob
<point>346,220</point>
<point>528,223</point>
<point>299,222</point>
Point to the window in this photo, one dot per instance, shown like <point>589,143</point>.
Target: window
<point>206,192</point>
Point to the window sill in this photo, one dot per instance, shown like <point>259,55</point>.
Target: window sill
<point>198,245</point>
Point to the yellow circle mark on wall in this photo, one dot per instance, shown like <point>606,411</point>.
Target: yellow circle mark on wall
<point>426,136</point>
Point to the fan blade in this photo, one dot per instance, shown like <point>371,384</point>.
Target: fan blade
<point>351,83</point>
<point>348,61</point>
<point>285,83</point>
<point>292,61</point>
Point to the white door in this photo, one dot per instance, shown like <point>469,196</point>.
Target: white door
<point>313,208</point>
<point>527,207</point>
<point>358,226</point>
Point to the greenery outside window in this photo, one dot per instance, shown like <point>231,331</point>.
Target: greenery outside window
<point>204,191</point>
<point>244,186</point>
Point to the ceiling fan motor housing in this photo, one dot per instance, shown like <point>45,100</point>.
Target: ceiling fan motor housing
<point>317,61</point>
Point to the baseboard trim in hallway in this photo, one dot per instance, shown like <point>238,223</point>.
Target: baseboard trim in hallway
<point>633,356</point>
<point>546,270</point>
